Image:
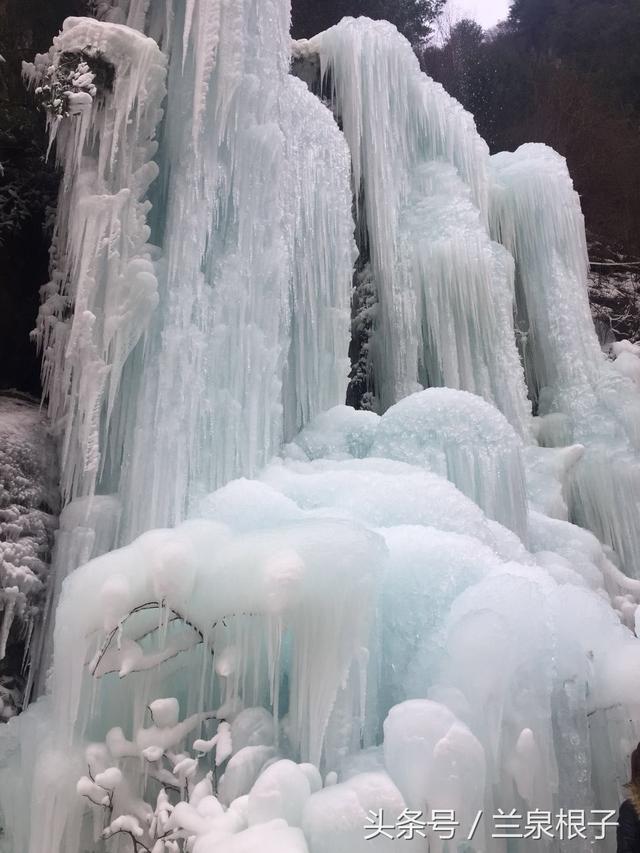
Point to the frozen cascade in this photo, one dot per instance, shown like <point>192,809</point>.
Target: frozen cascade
<point>445,290</point>
<point>313,613</point>
<point>580,396</point>
<point>104,287</point>
<point>240,292</point>
<point>258,252</point>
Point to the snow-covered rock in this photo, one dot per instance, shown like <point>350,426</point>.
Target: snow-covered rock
<point>28,507</point>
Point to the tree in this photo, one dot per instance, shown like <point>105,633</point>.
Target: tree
<point>532,17</point>
<point>456,64</point>
<point>597,38</point>
<point>412,17</point>
<point>566,73</point>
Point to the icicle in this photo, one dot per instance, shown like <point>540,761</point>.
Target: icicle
<point>9,597</point>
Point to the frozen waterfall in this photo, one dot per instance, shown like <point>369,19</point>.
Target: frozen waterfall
<point>279,623</point>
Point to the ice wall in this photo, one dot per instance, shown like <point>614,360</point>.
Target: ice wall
<point>257,250</point>
<point>421,174</point>
<point>98,306</point>
<point>338,611</point>
<point>579,394</point>
<point>245,288</point>
<point>104,289</point>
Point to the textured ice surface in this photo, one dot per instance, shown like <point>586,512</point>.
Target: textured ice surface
<point>102,264</point>
<point>336,818</point>
<point>445,290</point>
<point>258,251</point>
<point>434,758</point>
<point>536,213</point>
<point>451,641</point>
<point>467,441</point>
<point>361,611</point>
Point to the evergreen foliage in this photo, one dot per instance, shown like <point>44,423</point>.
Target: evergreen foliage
<point>412,17</point>
<point>567,73</point>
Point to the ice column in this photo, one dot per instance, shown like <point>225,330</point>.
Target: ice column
<point>420,172</point>
<point>232,334</point>
<point>103,86</point>
<point>253,328</point>
<point>104,289</point>
<point>536,214</point>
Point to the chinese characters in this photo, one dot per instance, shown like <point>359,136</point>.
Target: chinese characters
<point>537,825</point>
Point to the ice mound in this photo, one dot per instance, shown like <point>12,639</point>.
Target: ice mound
<point>467,441</point>
<point>382,493</point>
<point>434,758</point>
<point>201,575</point>
<point>454,434</point>
<point>355,602</point>
<point>626,359</point>
<point>338,433</point>
<point>336,818</point>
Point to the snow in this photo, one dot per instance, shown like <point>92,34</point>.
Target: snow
<point>29,502</point>
<point>276,615</point>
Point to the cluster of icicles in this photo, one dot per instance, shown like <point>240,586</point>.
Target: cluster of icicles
<point>398,612</point>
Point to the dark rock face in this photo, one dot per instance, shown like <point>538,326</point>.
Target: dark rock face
<point>28,185</point>
<point>29,504</point>
<point>614,293</point>
<point>24,260</point>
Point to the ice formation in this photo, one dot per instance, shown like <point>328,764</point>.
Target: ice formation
<point>102,263</point>
<point>445,289</point>
<point>285,619</point>
<point>579,394</point>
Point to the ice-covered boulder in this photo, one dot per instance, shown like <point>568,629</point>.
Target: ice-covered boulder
<point>337,818</point>
<point>465,439</point>
<point>434,759</point>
